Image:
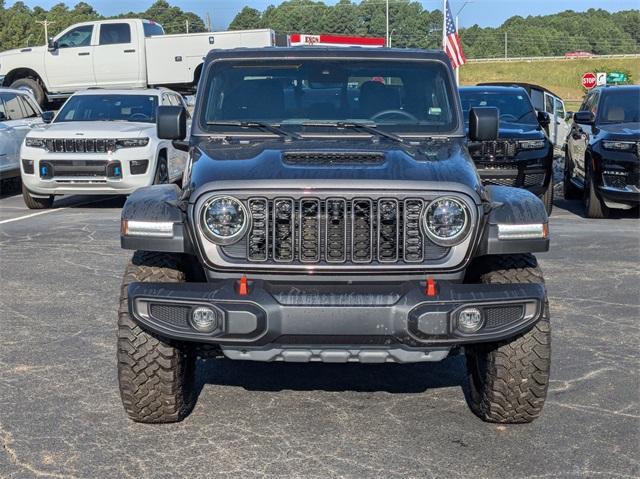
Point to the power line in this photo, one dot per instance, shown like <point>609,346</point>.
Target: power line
<point>46,24</point>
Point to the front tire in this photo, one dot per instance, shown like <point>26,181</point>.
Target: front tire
<point>162,171</point>
<point>155,376</point>
<point>593,206</point>
<point>32,86</point>
<point>508,380</point>
<point>570,190</point>
<point>34,203</point>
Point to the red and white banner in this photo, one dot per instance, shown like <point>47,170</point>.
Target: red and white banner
<point>298,39</point>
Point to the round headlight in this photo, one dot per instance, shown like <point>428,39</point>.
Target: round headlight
<point>446,221</point>
<point>224,220</point>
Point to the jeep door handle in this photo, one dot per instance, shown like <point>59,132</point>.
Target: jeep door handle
<point>84,54</point>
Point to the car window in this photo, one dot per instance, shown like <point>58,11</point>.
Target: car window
<point>77,37</point>
<point>12,106</point>
<point>114,33</point>
<point>620,106</point>
<point>537,99</point>
<point>27,107</point>
<point>548,104</point>
<point>152,29</point>
<point>592,104</point>
<point>136,108</point>
<point>514,107</point>
<point>560,109</point>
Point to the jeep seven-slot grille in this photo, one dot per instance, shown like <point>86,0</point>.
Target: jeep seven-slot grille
<point>493,149</point>
<point>80,145</point>
<point>335,230</point>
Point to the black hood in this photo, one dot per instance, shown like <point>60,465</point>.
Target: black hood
<point>441,161</point>
<point>627,130</point>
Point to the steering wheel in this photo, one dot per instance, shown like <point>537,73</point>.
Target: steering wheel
<point>138,116</point>
<point>508,117</point>
<point>403,113</point>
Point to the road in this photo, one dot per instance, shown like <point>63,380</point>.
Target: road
<point>61,417</point>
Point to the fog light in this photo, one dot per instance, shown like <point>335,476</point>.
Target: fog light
<point>469,320</point>
<point>204,319</point>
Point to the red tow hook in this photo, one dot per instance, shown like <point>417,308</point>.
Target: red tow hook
<point>242,286</point>
<point>431,287</point>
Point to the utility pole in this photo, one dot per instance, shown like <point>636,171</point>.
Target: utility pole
<point>186,22</point>
<point>388,43</point>
<point>505,44</point>
<point>207,21</point>
<point>46,24</point>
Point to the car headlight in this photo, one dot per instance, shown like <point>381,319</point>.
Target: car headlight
<point>224,220</point>
<point>618,145</point>
<point>34,143</point>
<point>132,142</point>
<point>530,144</point>
<point>446,221</point>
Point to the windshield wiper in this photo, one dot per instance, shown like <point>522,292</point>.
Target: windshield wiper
<point>270,127</point>
<point>356,125</point>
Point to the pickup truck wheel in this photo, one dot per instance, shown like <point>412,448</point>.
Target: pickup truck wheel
<point>155,376</point>
<point>162,171</point>
<point>508,380</point>
<point>570,190</point>
<point>547,199</point>
<point>32,86</point>
<point>34,203</point>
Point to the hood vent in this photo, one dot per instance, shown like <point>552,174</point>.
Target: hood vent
<point>325,158</point>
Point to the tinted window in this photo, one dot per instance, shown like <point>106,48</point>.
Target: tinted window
<point>548,104</point>
<point>560,109</point>
<point>152,29</point>
<point>400,96</point>
<point>78,37</point>
<point>12,109</point>
<point>537,98</point>
<point>28,108</point>
<point>514,107</point>
<point>138,108</point>
<point>114,33</point>
<point>620,106</point>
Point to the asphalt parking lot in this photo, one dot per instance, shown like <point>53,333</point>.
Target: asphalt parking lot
<point>61,417</point>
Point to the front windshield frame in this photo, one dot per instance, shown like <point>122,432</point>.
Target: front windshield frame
<point>631,98</point>
<point>311,125</point>
<point>528,118</point>
<point>72,103</point>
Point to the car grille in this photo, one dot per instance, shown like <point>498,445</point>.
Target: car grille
<point>331,158</point>
<point>335,230</point>
<point>89,169</point>
<point>493,149</point>
<point>80,145</point>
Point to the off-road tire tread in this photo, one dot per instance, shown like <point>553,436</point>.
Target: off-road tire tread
<point>36,203</point>
<point>510,385</point>
<point>593,206</point>
<point>155,376</point>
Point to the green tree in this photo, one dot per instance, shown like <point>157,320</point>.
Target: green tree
<point>248,19</point>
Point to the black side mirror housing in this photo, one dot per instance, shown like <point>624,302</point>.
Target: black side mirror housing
<point>48,116</point>
<point>584,117</point>
<point>172,122</point>
<point>483,123</point>
<point>544,119</point>
<point>52,45</point>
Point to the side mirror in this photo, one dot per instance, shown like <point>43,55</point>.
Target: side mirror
<point>483,123</point>
<point>544,119</point>
<point>172,122</point>
<point>52,45</point>
<point>568,116</point>
<point>584,117</point>
<point>48,116</point>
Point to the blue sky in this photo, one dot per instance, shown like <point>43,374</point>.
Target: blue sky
<point>484,12</point>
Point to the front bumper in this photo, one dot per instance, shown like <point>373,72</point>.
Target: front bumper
<point>531,176</point>
<point>336,323</point>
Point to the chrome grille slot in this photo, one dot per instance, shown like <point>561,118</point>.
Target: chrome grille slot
<point>413,249</point>
<point>309,212</point>
<point>362,230</point>
<point>388,230</point>
<point>336,230</point>
<point>257,243</point>
<point>283,229</point>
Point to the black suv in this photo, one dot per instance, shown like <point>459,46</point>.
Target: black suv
<point>602,163</point>
<point>330,212</point>
<point>523,154</point>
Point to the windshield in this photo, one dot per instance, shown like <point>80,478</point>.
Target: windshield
<point>136,108</point>
<point>620,106</point>
<point>514,107</point>
<point>407,96</point>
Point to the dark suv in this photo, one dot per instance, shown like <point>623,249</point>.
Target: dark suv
<point>602,163</point>
<point>330,212</point>
<point>523,155</point>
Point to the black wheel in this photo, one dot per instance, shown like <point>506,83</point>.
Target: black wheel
<point>508,380</point>
<point>593,206</point>
<point>34,203</point>
<point>32,86</point>
<point>162,171</point>
<point>547,199</point>
<point>155,376</point>
<point>571,192</point>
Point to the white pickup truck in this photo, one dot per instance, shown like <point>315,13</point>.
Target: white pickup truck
<point>121,53</point>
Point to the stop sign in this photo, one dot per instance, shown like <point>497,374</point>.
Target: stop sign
<point>588,80</point>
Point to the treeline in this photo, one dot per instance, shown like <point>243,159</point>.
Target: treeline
<point>595,31</point>
<point>19,27</point>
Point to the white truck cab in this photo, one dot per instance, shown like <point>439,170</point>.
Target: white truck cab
<point>123,53</point>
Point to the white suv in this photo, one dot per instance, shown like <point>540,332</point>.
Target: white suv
<point>100,142</point>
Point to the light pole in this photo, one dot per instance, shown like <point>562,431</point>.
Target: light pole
<point>388,36</point>
<point>457,22</point>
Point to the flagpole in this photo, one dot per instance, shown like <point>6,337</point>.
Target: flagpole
<point>444,22</point>
<point>457,69</point>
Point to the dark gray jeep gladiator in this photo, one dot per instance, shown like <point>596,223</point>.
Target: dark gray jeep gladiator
<point>330,212</point>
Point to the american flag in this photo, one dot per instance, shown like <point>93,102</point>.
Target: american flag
<point>451,41</point>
